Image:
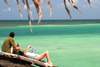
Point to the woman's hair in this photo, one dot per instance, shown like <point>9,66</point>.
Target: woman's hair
<point>12,34</point>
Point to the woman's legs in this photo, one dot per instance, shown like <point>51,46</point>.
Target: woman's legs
<point>46,53</point>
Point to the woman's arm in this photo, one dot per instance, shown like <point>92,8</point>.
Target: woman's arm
<point>26,51</point>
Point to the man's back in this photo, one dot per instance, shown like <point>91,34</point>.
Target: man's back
<point>8,43</point>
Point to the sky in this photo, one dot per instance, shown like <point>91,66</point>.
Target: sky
<point>58,10</point>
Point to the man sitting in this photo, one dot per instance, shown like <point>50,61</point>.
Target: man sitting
<point>9,44</point>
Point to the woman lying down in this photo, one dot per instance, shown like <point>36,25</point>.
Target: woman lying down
<point>36,56</point>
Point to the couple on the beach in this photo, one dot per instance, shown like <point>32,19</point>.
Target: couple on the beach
<point>10,47</point>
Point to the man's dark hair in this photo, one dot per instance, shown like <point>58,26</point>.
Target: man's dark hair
<point>12,34</point>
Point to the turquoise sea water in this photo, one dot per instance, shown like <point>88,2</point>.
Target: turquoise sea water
<point>73,44</point>
<point>49,22</point>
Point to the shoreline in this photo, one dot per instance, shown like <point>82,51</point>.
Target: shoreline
<point>9,23</point>
<point>46,24</point>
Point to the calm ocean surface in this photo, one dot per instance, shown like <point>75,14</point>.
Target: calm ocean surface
<point>49,27</point>
<point>73,43</point>
<point>49,22</point>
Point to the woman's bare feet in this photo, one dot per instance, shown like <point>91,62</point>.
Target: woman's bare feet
<point>50,63</point>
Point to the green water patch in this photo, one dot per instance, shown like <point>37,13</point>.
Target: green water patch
<point>68,45</point>
<point>49,30</point>
<point>70,51</point>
